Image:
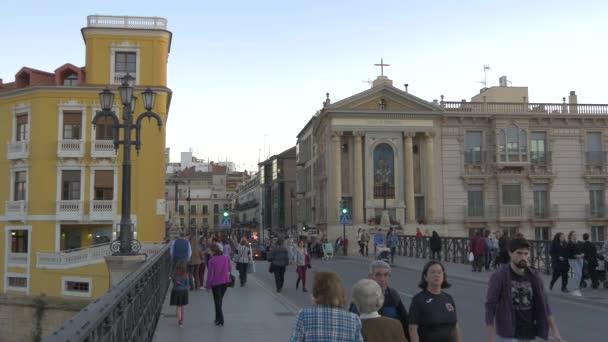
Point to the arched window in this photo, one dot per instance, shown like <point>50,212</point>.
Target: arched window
<point>384,171</point>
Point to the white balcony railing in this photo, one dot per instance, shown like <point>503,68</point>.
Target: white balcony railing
<point>15,210</point>
<point>84,256</point>
<point>17,259</point>
<point>69,210</point>
<point>150,23</point>
<point>102,210</point>
<point>103,149</point>
<point>18,150</point>
<point>70,149</point>
<point>511,211</point>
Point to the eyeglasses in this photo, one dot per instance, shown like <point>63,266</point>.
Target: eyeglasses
<point>382,275</point>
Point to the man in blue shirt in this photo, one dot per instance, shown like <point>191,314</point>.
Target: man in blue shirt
<point>180,250</point>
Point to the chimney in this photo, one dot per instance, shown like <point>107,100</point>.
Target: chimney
<point>572,100</point>
<point>406,85</point>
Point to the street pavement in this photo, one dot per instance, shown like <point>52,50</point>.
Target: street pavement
<point>257,313</point>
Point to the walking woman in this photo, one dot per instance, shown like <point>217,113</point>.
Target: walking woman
<point>302,261</point>
<point>435,244</point>
<point>559,261</point>
<point>179,292</point>
<point>433,312</point>
<point>327,321</point>
<point>218,278</point>
<point>575,260</point>
<point>243,258</point>
<point>279,259</point>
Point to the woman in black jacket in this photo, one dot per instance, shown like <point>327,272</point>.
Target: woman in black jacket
<point>279,259</point>
<point>435,244</point>
<point>559,261</point>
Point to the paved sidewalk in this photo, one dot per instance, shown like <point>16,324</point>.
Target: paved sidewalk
<point>251,313</point>
<point>464,272</point>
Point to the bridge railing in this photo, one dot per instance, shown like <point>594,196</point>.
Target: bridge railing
<point>129,311</point>
<point>456,250</point>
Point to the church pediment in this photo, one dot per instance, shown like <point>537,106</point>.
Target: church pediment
<point>384,98</point>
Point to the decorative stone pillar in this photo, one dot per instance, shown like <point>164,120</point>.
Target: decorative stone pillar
<point>121,266</point>
<point>431,180</point>
<point>337,174</point>
<point>409,180</point>
<point>357,210</point>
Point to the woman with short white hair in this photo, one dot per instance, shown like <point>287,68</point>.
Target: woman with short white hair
<point>369,298</point>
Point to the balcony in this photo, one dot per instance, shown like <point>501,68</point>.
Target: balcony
<point>595,212</point>
<point>15,210</point>
<point>477,161</point>
<point>18,150</point>
<point>112,21</point>
<point>118,75</point>
<point>541,162</point>
<point>17,259</point>
<point>69,210</point>
<point>70,149</point>
<point>595,162</point>
<point>523,108</point>
<point>511,212</point>
<point>102,210</point>
<point>544,212</point>
<point>479,213</point>
<point>103,149</point>
<point>84,256</point>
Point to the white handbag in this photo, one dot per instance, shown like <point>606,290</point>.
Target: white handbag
<point>471,257</point>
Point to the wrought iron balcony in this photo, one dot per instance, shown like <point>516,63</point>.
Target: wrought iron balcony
<point>103,149</point>
<point>70,148</point>
<point>70,210</point>
<point>15,210</point>
<point>597,212</point>
<point>479,213</point>
<point>18,150</point>
<point>511,211</point>
<point>596,162</point>
<point>102,210</point>
<point>544,212</point>
<point>118,76</point>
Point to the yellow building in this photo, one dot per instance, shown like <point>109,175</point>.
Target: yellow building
<point>60,176</point>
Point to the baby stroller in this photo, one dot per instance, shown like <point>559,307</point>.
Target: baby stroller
<point>384,254</point>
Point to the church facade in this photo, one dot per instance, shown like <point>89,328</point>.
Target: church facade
<point>497,162</point>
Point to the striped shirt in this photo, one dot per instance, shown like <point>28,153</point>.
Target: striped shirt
<point>326,324</point>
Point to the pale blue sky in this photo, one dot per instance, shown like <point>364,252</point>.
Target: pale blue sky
<point>242,69</point>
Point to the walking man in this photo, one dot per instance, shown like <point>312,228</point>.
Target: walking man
<point>517,309</point>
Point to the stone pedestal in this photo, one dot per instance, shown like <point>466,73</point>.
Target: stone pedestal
<point>385,220</point>
<point>122,266</point>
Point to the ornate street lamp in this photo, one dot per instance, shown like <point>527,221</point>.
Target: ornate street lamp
<point>126,244</point>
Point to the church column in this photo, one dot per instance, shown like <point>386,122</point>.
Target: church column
<point>431,179</point>
<point>337,175</point>
<point>357,210</point>
<point>409,180</point>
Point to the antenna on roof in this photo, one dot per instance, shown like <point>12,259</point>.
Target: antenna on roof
<point>369,82</point>
<point>485,75</point>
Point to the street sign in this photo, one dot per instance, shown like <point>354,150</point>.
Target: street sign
<point>344,219</point>
<point>226,222</point>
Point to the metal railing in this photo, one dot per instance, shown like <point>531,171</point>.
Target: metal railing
<point>456,250</point>
<point>598,211</point>
<point>127,22</point>
<point>544,212</point>
<point>129,311</point>
<point>478,212</point>
<point>522,107</point>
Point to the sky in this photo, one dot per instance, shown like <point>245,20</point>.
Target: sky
<point>247,76</point>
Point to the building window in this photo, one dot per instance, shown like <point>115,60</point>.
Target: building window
<point>17,282</point>
<point>81,287</point>
<point>20,186</point>
<point>511,194</point>
<point>473,147</point>
<point>22,133</point>
<point>72,123</point>
<point>182,210</point>
<point>104,185</point>
<point>216,220</point>
<point>473,231</point>
<point>594,148</point>
<point>205,222</point>
<point>513,145</point>
<point>596,201</point>
<point>205,209</point>
<point>71,80</point>
<point>541,201</point>
<point>192,222</point>
<point>475,200</point>
<point>542,233</point>
<point>193,209</point>
<point>125,62</point>
<point>76,286</point>
<point>509,232</point>
<point>598,233</point>
<point>104,128</point>
<point>70,185</point>
<point>216,208</point>
<point>538,148</point>
<point>182,222</point>
<point>19,240</point>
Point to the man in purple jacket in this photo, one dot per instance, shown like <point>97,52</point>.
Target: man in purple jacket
<point>517,309</point>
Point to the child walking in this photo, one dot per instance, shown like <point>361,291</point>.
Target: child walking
<point>179,293</point>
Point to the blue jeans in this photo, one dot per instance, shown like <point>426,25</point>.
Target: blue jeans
<point>577,268</point>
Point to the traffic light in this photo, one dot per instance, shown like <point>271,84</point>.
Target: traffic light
<point>304,228</point>
<point>226,213</point>
<point>344,208</point>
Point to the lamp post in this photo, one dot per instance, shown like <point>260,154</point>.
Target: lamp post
<point>176,181</point>
<point>126,244</point>
<point>190,227</point>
